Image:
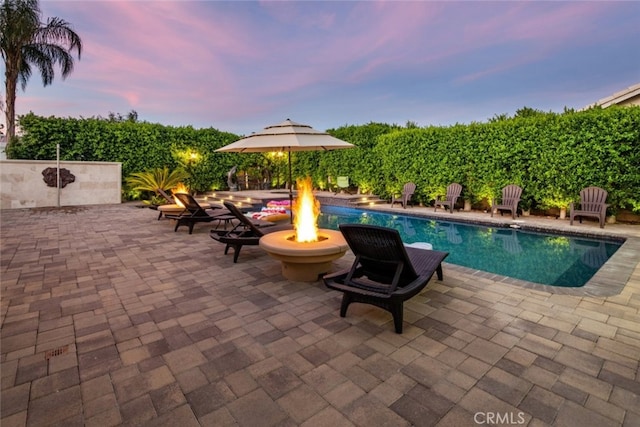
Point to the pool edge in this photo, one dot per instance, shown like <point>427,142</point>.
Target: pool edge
<point>610,279</point>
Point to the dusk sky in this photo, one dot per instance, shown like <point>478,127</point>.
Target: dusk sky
<point>239,66</point>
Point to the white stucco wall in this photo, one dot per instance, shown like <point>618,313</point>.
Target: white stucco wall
<point>22,184</point>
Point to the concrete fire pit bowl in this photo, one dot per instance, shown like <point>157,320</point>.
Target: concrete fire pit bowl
<point>304,261</point>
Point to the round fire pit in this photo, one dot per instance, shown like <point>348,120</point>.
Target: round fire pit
<point>304,261</point>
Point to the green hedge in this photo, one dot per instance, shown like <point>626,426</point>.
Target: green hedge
<point>552,156</point>
<point>361,164</point>
<point>139,146</point>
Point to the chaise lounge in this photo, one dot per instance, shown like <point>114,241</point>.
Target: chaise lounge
<point>171,207</point>
<point>385,273</point>
<point>246,232</point>
<point>192,213</point>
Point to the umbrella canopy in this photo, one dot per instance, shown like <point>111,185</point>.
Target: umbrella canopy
<point>286,136</point>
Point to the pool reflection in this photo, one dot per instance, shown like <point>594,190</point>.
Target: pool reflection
<point>548,259</point>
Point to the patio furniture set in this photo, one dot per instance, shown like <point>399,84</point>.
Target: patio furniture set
<point>385,272</point>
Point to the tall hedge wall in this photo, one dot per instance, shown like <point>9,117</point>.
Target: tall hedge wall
<point>552,156</point>
<point>361,164</point>
<point>139,146</point>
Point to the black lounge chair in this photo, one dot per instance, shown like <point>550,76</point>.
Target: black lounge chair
<point>171,207</point>
<point>165,195</point>
<point>592,203</point>
<point>192,213</point>
<point>385,272</point>
<point>246,232</point>
<point>405,197</point>
<point>510,199</point>
<point>453,192</point>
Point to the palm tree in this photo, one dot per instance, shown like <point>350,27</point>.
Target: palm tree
<point>25,41</point>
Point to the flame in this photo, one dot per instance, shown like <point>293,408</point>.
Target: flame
<point>306,209</point>
<point>180,188</point>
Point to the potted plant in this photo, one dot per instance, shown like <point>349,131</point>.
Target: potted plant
<point>526,203</point>
<point>557,201</point>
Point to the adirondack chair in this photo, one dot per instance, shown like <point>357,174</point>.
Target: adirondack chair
<point>592,203</point>
<point>404,198</point>
<point>510,198</point>
<point>453,192</point>
<point>342,184</point>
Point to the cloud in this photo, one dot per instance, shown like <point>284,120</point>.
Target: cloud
<point>208,62</point>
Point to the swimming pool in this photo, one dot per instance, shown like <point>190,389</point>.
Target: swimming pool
<point>548,259</point>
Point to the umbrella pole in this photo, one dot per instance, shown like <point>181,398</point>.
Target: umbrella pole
<point>290,187</point>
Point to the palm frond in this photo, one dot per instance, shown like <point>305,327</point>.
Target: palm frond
<point>159,178</point>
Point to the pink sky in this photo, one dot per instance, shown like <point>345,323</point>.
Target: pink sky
<point>240,66</point>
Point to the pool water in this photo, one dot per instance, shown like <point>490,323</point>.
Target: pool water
<point>547,259</point>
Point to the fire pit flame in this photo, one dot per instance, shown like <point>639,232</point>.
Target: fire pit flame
<point>308,253</point>
<point>306,209</point>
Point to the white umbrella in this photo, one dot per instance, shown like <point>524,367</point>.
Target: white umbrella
<point>286,136</point>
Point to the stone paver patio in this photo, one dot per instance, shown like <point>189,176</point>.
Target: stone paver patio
<point>111,318</point>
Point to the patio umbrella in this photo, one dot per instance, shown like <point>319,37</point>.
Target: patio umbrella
<point>287,136</point>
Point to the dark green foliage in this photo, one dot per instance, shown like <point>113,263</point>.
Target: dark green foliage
<point>551,156</point>
<point>156,179</point>
<point>140,146</point>
<point>360,164</point>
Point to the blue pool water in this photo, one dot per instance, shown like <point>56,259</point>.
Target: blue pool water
<point>547,259</point>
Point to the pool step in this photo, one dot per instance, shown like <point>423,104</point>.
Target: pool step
<point>237,198</point>
<point>349,200</point>
<point>254,200</point>
<point>367,201</point>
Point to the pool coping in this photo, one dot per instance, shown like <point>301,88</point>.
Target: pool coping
<point>609,280</point>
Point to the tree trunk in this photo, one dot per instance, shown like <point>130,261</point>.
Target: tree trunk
<point>10,107</point>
